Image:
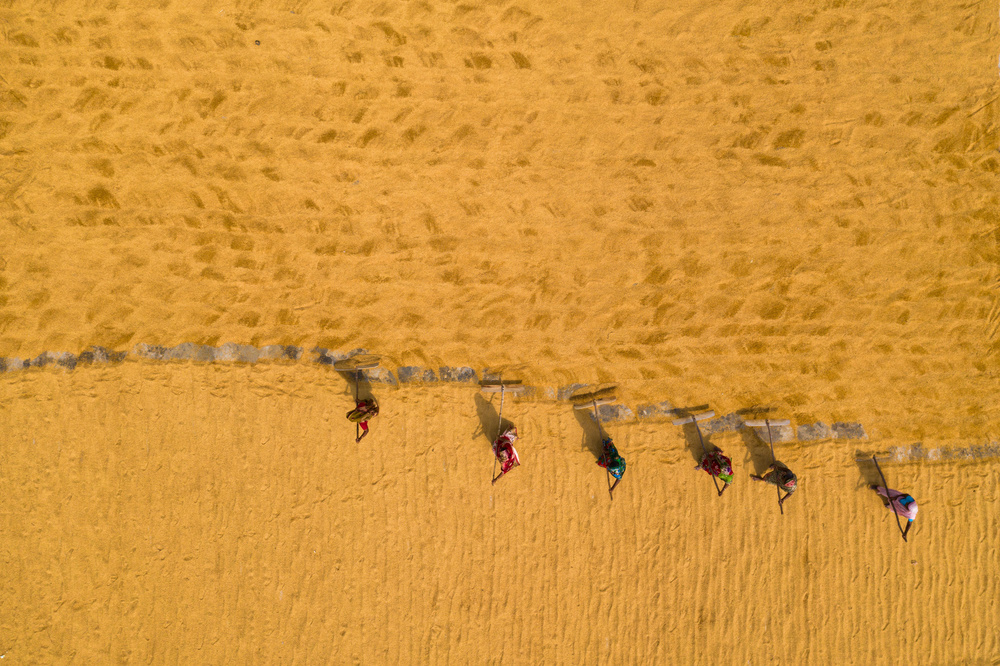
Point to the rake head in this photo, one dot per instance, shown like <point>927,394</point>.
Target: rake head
<point>359,362</point>
<point>694,417</point>
<point>586,396</point>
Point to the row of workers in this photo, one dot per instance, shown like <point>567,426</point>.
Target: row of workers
<point>715,463</point>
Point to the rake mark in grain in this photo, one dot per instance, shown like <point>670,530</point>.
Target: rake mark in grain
<point>749,140</point>
<point>647,65</point>
<point>748,27</point>
<point>368,137</point>
<point>91,98</point>
<point>66,35</point>
<point>993,320</point>
<point>520,60</point>
<point>430,223</point>
<point>242,243</point>
<point>390,33</point>
<point>100,196</point>
<point>639,204</point>
<point>478,61</point>
<point>431,59</point>
<point>789,139</point>
<point>206,255</point>
<point>232,173</point>
<point>945,115</point>
<point>770,160</point>
<point>103,167</point>
<point>873,118</point>
<point>22,39</point>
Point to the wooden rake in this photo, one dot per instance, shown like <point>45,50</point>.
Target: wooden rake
<point>767,423</point>
<point>357,364</point>
<point>694,418</point>
<point>886,486</point>
<point>585,399</point>
<point>500,386</point>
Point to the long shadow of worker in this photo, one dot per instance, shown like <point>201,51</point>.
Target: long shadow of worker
<point>489,421</point>
<point>867,472</point>
<point>691,438</point>
<point>758,450</point>
<point>695,443</point>
<point>357,384</point>
<point>593,433</point>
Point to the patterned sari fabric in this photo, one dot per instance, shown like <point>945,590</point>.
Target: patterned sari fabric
<point>365,411</point>
<point>610,460</point>
<point>717,464</point>
<point>779,475</point>
<point>904,504</point>
<point>503,448</point>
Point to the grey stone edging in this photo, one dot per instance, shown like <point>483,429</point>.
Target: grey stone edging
<point>916,452</point>
<point>411,374</point>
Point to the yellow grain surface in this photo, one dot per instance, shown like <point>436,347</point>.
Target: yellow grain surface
<point>783,204</point>
<point>200,514</point>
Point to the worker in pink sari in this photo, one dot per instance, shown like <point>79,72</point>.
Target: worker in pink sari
<point>903,504</point>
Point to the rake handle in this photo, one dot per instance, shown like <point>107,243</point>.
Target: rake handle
<point>885,485</point>
<point>499,428</point>
<point>705,451</point>
<point>774,458</point>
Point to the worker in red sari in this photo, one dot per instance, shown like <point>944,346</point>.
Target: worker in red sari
<point>365,411</point>
<point>503,449</point>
